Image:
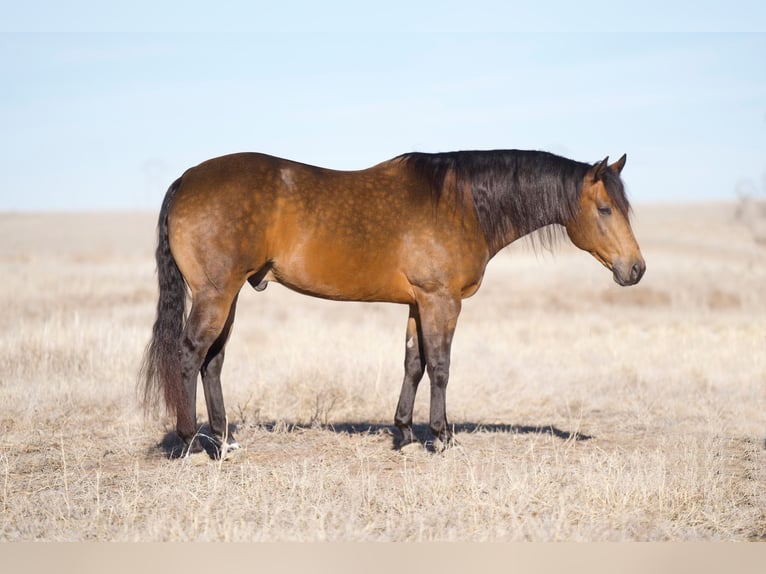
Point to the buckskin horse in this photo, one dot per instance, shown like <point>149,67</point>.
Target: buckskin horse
<point>418,229</point>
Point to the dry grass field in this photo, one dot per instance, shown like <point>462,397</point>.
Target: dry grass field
<point>584,411</point>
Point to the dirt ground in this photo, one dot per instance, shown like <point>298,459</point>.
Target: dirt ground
<point>584,411</point>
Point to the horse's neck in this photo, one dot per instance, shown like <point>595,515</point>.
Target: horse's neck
<point>505,220</point>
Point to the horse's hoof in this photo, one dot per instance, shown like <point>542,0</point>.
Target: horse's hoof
<point>450,444</point>
<point>227,446</point>
<point>232,452</point>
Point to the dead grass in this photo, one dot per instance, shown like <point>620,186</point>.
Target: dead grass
<point>584,411</point>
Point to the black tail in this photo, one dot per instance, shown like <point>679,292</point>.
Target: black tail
<point>160,372</point>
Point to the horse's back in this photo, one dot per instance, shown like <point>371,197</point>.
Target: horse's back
<point>256,179</point>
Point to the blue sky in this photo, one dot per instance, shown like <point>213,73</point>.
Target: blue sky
<point>102,107</point>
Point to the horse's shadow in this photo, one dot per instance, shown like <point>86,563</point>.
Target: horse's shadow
<point>423,433</point>
<point>173,447</point>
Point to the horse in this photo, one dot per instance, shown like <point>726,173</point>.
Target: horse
<point>418,230</point>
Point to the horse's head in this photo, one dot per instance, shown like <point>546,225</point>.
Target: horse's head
<point>601,224</point>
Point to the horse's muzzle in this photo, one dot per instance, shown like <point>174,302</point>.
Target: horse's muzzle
<point>630,272</point>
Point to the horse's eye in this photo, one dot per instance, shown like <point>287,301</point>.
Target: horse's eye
<point>605,210</point>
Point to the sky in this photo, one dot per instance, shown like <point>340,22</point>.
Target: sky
<point>103,105</point>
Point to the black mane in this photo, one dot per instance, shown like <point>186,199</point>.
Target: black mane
<point>513,190</point>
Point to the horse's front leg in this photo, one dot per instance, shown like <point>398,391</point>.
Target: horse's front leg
<point>414,367</point>
<point>438,314</point>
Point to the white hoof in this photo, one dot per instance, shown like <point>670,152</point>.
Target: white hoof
<point>232,451</point>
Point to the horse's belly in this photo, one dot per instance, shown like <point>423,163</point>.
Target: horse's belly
<point>342,277</point>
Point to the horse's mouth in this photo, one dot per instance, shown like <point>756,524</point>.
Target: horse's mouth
<point>624,273</point>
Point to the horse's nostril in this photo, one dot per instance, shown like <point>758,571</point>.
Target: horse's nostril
<point>636,271</point>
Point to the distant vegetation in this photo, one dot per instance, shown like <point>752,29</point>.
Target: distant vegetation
<point>751,209</point>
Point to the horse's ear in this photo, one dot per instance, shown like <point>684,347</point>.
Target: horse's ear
<point>619,164</point>
<point>599,169</point>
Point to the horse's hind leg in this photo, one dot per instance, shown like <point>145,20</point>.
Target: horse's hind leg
<point>414,365</point>
<point>209,316</point>
<point>211,384</point>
